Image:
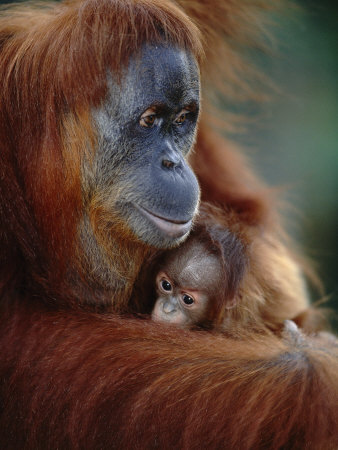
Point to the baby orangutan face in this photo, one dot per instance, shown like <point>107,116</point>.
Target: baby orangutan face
<point>177,304</point>
<point>186,285</point>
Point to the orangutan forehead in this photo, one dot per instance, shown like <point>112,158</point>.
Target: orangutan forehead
<point>162,62</point>
<point>194,267</point>
<point>163,76</point>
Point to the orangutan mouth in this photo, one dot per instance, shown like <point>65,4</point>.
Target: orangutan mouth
<point>170,227</point>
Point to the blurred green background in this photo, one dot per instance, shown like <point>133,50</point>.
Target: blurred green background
<point>294,144</point>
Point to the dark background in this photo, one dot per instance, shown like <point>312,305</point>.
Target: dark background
<point>294,143</point>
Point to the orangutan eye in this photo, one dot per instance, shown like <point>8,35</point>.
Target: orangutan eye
<point>187,299</point>
<point>148,118</point>
<point>181,117</point>
<point>166,286</point>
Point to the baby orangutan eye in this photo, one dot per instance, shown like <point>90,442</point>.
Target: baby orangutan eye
<point>166,285</point>
<point>187,299</point>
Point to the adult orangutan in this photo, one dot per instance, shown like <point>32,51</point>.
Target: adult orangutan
<point>99,106</point>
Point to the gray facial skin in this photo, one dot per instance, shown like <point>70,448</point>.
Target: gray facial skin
<point>146,129</point>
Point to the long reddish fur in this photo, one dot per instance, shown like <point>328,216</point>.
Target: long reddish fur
<point>74,378</point>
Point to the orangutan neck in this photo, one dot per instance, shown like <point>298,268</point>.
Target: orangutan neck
<point>109,268</point>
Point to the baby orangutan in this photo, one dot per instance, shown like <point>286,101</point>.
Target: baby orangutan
<point>198,281</point>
